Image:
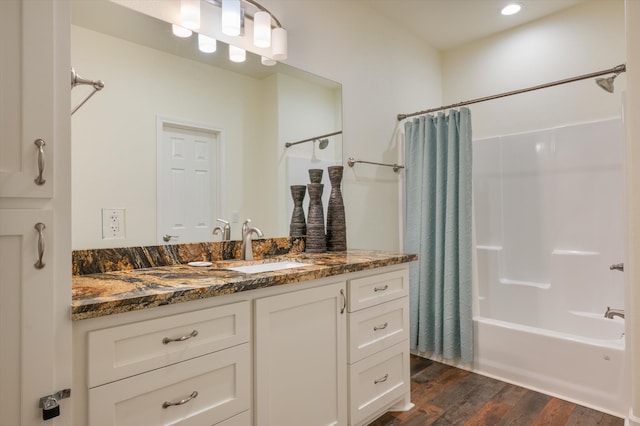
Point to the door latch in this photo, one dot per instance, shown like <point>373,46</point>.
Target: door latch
<point>50,405</point>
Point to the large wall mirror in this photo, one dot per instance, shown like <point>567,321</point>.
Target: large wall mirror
<point>178,135</point>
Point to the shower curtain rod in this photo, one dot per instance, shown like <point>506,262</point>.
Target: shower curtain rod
<point>315,138</point>
<point>617,70</point>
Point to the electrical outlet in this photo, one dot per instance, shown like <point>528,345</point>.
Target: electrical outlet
<point>234,216</point>
<point>112,224</point>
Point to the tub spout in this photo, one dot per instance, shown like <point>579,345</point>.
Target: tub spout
<point>613,313</point>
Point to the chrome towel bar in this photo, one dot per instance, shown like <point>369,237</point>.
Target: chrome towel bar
<point>396,167</point>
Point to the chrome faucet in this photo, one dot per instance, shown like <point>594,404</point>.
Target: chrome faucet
<point>613,313</point>
<point>225,232</point>
<point>247,251</point>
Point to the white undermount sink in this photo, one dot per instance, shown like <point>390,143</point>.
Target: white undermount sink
<point>267,267</point>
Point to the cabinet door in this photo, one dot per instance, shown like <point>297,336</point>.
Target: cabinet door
<point>26,100</point>
<point>27,332</point>
<point>300,358</point>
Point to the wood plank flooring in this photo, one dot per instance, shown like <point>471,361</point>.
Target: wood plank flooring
<point>446,395</point>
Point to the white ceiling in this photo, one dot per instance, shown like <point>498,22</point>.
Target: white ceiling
<point>445,24</point>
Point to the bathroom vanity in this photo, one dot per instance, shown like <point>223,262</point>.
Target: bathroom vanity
<point>324,343</point>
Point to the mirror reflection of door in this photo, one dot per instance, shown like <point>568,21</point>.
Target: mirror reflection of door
<point>189,174</point>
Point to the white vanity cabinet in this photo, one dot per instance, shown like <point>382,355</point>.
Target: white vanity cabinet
<point>301,352</point>
<point>379,370</point>
<point>328,351</point>
<point>192,368</point>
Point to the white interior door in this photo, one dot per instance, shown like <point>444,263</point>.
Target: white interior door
<point>189,174</point>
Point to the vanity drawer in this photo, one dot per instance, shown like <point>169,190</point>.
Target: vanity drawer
<point>221,380</point>
<point>377,328</point>
<point>375,289</point>
<point>242,419</point>
<point>118,352</point>
<point>378,381</point>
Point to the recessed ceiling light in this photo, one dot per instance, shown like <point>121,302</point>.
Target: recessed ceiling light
<point>511,9</point>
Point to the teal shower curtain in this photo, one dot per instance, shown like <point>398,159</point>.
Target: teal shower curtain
<point>438,204</point>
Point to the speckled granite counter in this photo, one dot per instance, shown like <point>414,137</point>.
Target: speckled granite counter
<point>113,291</point>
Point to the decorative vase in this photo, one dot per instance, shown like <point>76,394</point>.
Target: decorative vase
<point>315,175</point>
<point>316,237</point>
<point>298,227</point>
<point>336,225</point>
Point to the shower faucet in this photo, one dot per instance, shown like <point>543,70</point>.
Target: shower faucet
<point>613,313</point>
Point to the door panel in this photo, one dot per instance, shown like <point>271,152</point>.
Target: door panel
<point>26,316</point>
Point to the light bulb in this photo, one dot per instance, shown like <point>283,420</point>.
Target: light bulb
<point>207,44</point>
<point>237,54</point>
<point>179,31</point>
<point>190,14</point>
<point>268,61</point>
<point>511,9</point>
<point>262,29</point>
<point>279,44</point>
<point>231,19</point>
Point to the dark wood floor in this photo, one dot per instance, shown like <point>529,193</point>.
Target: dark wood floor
<point>446,395</point>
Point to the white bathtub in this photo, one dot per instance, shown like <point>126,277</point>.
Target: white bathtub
<point>587,371</point>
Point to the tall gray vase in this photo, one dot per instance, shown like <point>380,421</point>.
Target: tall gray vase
<point>336,225</point>
<point>298,227</point>
<point>316,237</point>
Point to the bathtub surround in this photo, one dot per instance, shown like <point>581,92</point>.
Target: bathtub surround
<point>548,210</point>
<point>438,208</point>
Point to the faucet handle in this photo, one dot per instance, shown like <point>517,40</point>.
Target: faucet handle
<point>245,227</point>
<point>226,232</point>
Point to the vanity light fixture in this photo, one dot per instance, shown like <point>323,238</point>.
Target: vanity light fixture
<point>237,54</point>
<point>207,44</point>
<point>190,14</point>
<point>267,30</point>
<point>511,9</point>
<point>179,31</point>
<point>268,61</point>
<point>279,43</point>
<point>262,29</point>
<point>231,17</point>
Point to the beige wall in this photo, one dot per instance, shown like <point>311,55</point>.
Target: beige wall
<point>577,41</point>
<point>384,71</point>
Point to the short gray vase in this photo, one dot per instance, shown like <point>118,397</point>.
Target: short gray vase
<point>316,237</point>
<point>298,227</point>
<point>315,175</point>
<point>336,223</point>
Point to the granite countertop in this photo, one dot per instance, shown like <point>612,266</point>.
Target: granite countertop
<point>106,293</point>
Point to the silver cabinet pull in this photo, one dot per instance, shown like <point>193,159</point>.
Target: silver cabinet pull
<point>381,379</point>
<point>166,237</point>
<point>168,340</point>
<point>381,327</point>
<point>344,301</point>
<point>40,144</point>
<point>40,228</point>
<point>168,404</point>
<point>383,288</point>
